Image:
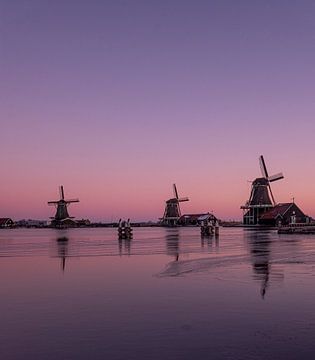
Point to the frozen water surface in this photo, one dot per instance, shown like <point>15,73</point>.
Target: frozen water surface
<point>166,294</point>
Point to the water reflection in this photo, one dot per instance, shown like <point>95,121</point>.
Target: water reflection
<point>124,246</point>
<point>62,248</point>
<point>260,245</point>
<point>210,241</point>
<point>121,311</point>
<point>172,243</point>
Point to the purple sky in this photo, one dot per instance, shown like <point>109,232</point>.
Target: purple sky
<point>119,99</point>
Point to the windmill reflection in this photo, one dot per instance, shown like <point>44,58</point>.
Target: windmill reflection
<point>172,243</point>
<point>62,243</point>
<point>124,246</point>
<point>210,241</point>
<point>260,249</point>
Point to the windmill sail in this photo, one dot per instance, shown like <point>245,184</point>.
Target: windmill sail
<point>62,194</point>
<point>275,177</point>
<point>175,191</point>
<point>263,167</point>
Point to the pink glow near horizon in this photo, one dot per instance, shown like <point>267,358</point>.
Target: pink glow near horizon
<point>116,102</point>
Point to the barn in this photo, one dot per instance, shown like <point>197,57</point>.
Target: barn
<point>283,214</point>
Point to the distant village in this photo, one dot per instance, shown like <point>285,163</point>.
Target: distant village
<point>261,209</point>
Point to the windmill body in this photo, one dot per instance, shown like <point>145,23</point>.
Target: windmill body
<point>61,209</point>
<point>261,198</point>
<point>260,193</point>
<point>172,209</point>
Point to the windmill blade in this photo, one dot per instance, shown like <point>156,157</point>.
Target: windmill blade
<point>52,202</point>
<point>183,199</point>
<point>72,200</point>
<point>62,195</point>
<point>263,167</point>
<point>275,177</point>
<point>175,191</point>
<point>251,195</point>
<point>273,199</point>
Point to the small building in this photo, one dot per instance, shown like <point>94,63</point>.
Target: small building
<point>30,223</point>
<point>83,222</point>
<point>195,219</point>
<point>64,223</point>
<point>283,214</point>
<point>6,223</point>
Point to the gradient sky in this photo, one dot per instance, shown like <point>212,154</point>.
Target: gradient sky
<point>116,100</point>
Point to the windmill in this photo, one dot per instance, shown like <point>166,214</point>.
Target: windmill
<point>261,197</point>
<point>172,209</point>
<point>62,208</point>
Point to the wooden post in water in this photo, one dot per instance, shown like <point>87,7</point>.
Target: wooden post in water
<point>216,228</point>
<point>206,228</point>
<point>124,229</point>
<point>209,227</point>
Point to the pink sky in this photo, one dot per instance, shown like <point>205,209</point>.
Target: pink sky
<point>117,101</point>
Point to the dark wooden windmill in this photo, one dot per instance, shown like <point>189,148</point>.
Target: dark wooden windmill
<point>172,209</point>
<point>62,208</point>
<point>261,198</point>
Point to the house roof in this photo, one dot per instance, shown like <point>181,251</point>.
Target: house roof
<point>191,216</point>
<point>196,216</point>
<point>4,221</point>
<point>206,217</point>
<point>279,209</point>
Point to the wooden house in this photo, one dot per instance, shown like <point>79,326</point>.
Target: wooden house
<point>283,214</point>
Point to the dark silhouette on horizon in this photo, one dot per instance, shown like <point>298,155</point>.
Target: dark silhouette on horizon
<point>62,215</point>
<point>172,209</point>
<point>261,198</point>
